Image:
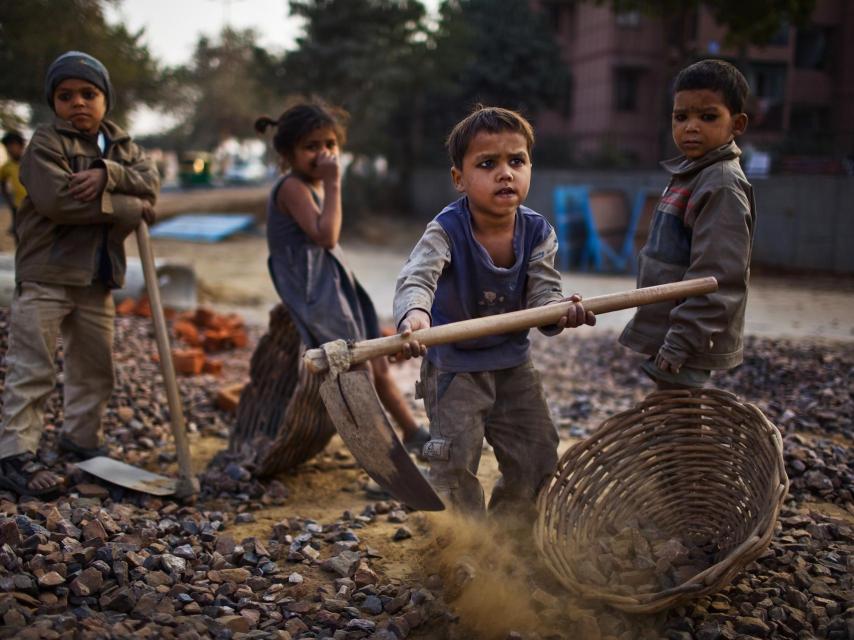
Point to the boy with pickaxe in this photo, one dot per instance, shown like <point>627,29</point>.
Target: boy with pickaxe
<point>485,254</point>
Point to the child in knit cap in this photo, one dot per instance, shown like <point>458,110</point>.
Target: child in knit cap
<point>88,186</point>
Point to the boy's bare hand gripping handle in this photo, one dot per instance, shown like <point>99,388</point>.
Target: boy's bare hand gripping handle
<point>315,359</point>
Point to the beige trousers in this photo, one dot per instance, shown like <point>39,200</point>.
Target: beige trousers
<point>84,316</point>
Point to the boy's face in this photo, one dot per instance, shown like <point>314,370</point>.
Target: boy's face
<point>702,122</point>
<point>81,103</point>
<point>15,150</point>
<point>495,175</point>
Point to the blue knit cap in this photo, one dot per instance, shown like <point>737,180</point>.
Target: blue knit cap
<point>79,65</point>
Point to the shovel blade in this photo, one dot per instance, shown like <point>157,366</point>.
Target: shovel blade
<point>128,476</point>
<point>355,410</point>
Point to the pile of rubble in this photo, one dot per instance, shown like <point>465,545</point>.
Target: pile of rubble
<point>87,567</point>
<point>104,563</point>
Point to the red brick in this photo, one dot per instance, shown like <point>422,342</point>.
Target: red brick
<point>227,398</point>
<point>239,339</point>
<point>126,307</point>
<point>143,308</point>
<point>188,332</point>
<point>212,366</point>
<point>188,361</point>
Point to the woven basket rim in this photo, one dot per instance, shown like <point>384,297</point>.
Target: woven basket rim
<point>592,450</point>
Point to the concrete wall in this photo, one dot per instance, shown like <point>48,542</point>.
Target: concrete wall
<point>804,222</point>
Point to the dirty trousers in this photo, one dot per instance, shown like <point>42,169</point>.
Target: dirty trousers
<point>508,408</point>
<point>84,317</point>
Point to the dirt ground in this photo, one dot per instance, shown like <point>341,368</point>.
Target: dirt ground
<point>232,276</point>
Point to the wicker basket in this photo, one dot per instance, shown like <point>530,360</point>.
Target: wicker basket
<point>697,463</point>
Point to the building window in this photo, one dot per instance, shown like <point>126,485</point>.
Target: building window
<point>566,97</point>
<point>781,37</point>
<point>812,48</point>
<point>768,86</point>
<point>626,83</point>
<point>628,18</point>
<point>809,119</point>
<point>553,13</point>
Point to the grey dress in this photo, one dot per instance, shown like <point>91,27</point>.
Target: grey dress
<point>322,295</point>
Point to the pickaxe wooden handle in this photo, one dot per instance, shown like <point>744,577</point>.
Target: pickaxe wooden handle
<point>315,359</point>
<point>186,485</point>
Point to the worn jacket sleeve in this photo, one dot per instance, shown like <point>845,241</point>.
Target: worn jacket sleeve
<point>137,178</point>
<point>544,281</point>
<point>720,247</point>
<point>45,172</point>
<point>416,284</point>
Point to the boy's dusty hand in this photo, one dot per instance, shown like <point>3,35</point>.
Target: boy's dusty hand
<point>148,212</point>
<point>666,365</point>
<point>87,185</point>
<point>413,321</point>
<point>576,315</point>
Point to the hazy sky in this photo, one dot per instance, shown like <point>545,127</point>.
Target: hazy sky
<point>172,28</point>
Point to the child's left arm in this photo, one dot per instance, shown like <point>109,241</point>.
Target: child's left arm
<point>720,247</point>
<point>135,176</point>
<point>416,286</point>
<point>545,287</point>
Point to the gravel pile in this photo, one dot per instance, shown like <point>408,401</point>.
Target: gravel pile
<point>87,567</point>
<point>104,563</point>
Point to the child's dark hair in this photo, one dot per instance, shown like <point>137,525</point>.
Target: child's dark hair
<point>491,120</point>
<point>11,137</point>
<point>715,75</point>
<point>300,120</point>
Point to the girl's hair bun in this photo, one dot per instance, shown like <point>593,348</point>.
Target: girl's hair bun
<point>263,123</point>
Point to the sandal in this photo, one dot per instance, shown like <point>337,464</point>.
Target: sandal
<point>67,445</point>
<point>17,472</point>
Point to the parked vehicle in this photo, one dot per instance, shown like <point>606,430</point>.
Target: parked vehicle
<point>245,171</point>
<point>195,169</point>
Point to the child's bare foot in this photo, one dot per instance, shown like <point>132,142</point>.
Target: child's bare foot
<point>24,475</point>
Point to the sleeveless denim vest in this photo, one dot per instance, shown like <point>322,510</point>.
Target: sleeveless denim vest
<point>471,286</point>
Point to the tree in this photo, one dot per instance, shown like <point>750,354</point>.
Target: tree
<point>34,32</point>
<point>405,84</point>
<point>221,92</point>
<point>363,55</point>
<point>359,54</point>
<point>495,52</point>
<point>754,22</point>
<point>499,52</point>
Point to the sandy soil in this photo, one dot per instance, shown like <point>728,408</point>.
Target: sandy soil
<point>233,277</point>
<point>233,274</point>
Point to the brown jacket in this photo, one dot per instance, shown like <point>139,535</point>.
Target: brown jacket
<point>703,226</point>
<point>63,240</point>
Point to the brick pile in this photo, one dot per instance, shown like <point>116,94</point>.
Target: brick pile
<point>196,333</point>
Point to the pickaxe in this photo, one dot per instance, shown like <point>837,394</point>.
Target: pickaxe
<point>355,409</point>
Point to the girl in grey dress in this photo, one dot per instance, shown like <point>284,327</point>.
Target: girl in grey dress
<point>306,263</point>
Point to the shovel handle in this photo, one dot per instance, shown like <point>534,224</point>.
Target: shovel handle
<point>185,486</point>
<point>315,359</point>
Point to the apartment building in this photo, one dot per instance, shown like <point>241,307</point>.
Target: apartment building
<point>621,65</point>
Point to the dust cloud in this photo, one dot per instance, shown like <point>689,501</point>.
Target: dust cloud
<point>487,570</point>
